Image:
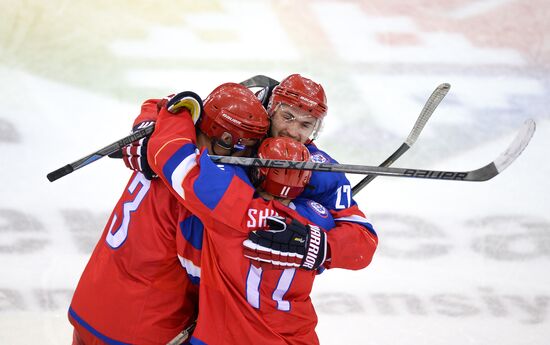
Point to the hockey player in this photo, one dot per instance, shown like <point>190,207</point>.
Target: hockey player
<point>240,302</point>
<point>355,241</point>
<point>134,289</point>
<point>297,108</point>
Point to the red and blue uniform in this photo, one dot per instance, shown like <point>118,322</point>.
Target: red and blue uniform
<point>134,289</point>
<point>239,303</point>
<point>353,240</point>
<point>141,283</point>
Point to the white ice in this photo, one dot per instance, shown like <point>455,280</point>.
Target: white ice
<point>458,263</point>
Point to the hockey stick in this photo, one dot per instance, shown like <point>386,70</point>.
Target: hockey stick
<point>266,83</point>
<point>259,81</point>
<point>431,104</point>
<point>484,173</point>
<point>116,146</point>
<point>114,150</point>
<point>183,335</point>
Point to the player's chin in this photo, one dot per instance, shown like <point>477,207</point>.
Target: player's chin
<point>286,135</point>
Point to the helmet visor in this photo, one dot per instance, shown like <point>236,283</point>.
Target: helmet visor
<point>294,122</point>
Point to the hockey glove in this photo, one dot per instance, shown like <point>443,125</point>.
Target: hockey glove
<point>135,154</point>
<point>287,243</point>
<point>188,100</point>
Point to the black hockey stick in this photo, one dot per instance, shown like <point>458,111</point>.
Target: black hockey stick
<point>259,81</point>
<point>116,146</point>
<point>484,173</point>
<point>114,150</point>
<point>266,83</point>
<point>431,104</point>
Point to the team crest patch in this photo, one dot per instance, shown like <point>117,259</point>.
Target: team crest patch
<point>318,208</point>
<point>318,158</point>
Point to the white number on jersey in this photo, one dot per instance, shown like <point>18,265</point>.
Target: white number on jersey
<point>254,279</point>
<point>117,237</point>
<point>343,198</point>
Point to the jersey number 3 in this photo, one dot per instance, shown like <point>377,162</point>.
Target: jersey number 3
<point>116,238</point>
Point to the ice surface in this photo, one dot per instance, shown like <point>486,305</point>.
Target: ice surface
<point>458,263</point>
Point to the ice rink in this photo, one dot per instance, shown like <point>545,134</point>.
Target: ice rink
<point>458,262</point>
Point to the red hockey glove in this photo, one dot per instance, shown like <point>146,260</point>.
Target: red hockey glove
<point>135,154</point>
<point>287,243</point>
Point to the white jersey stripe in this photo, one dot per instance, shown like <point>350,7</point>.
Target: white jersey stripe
<point>181,171</point>
<point>353,218</point>
<point>190,267</point>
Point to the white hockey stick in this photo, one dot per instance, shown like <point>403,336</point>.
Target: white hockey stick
<point>482,174</point>
<point>431,104</point>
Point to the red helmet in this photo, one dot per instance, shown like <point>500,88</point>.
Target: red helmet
<point>301,92</point>
<point>284,183</point>
<point>234,109</point>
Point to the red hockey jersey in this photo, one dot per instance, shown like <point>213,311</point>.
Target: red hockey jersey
<point>134,289</point>
<point>239,303</point>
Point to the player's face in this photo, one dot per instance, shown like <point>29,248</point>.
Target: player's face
<point>292,122</point>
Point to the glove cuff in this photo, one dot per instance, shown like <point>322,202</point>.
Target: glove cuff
<point>316,252</point>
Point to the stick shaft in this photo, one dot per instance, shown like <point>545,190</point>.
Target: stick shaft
<point>429,107</point>
<point>484,173</point>
<point>117,145</point>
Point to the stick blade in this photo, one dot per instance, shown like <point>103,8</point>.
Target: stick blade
<point>517,146</point>
<point>431,104</point>
<point>507,157</point>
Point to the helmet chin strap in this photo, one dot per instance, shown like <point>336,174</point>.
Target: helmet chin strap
<point>224,141</point>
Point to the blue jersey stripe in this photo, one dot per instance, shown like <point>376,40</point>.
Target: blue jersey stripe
<point>179,164</point>
<point>195,341</point>
<point>93,330</point>
<point>212,182</point>
<point>192,229</point>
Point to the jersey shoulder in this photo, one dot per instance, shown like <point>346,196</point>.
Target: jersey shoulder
<point>314,212</point>
<point>318,155</point>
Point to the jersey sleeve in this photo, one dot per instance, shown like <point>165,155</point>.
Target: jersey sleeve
<point>149,111</point>
<point>353,240</point>
<point>215,194</point>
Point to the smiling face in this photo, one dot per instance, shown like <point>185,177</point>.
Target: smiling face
<point>297,107</point>
<point>293,122</point>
